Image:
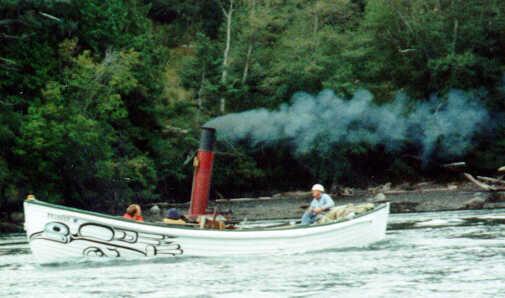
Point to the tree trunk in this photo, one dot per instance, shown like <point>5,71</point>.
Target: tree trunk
<point>199,99</point>
<point>250,47</point>
<point>247,59</point>
<point>224,74</point>
<point>226,53</point>
<point>453,49</point>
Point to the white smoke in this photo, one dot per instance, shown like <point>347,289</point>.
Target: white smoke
<point>445,125</point>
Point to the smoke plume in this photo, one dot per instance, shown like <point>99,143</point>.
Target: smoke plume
<point>444,126</point>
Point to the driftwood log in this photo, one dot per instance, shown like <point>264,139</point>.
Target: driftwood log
<point>454,164</point>
<point>488,187</point>
<point>492,180</point>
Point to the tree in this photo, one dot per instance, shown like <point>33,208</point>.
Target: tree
<point>228,13</point>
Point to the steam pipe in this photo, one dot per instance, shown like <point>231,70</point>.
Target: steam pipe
<point>202,176</point>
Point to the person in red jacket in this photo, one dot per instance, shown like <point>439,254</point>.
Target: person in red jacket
<point>134,212</point>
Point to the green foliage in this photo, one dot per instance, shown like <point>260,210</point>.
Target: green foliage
<point>87,131</point>
<point>101,101</point>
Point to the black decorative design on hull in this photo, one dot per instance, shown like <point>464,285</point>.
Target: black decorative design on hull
<point>109,241</point>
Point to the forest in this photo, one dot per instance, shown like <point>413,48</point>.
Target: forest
<point>101,102</point>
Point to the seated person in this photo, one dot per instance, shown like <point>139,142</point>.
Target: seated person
<point>321,203</point>
<point>134,212</point>
<point>174,217</point>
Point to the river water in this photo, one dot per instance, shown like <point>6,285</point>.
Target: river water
<point>443,254</point>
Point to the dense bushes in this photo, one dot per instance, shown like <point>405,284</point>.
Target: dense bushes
<point>100,102</point>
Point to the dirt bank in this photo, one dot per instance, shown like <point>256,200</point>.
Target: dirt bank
<point>423,199</point>
<point>418,198</point>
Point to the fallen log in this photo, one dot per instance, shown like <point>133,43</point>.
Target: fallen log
<point>174,129</point>
<point>419,190</point>
<point>434,189</point>
<point>483,185</point>
<point>454,164</point>
<point>489,179</point>
<point>397,191</point>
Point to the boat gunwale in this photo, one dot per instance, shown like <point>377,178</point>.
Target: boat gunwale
<point>184,227</point>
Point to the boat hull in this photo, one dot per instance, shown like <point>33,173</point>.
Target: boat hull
<point>59,234</point>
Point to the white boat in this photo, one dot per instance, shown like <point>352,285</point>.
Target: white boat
<point>60,234</point>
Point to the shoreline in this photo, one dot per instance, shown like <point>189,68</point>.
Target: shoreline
<point>288,205</point>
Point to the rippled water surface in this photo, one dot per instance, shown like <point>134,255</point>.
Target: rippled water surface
<point>444,254</point>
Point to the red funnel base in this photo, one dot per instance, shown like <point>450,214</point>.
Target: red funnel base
<point>203,173</point>
<point>201,183</point>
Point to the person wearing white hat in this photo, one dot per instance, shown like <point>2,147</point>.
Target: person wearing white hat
<point>321,202</point>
